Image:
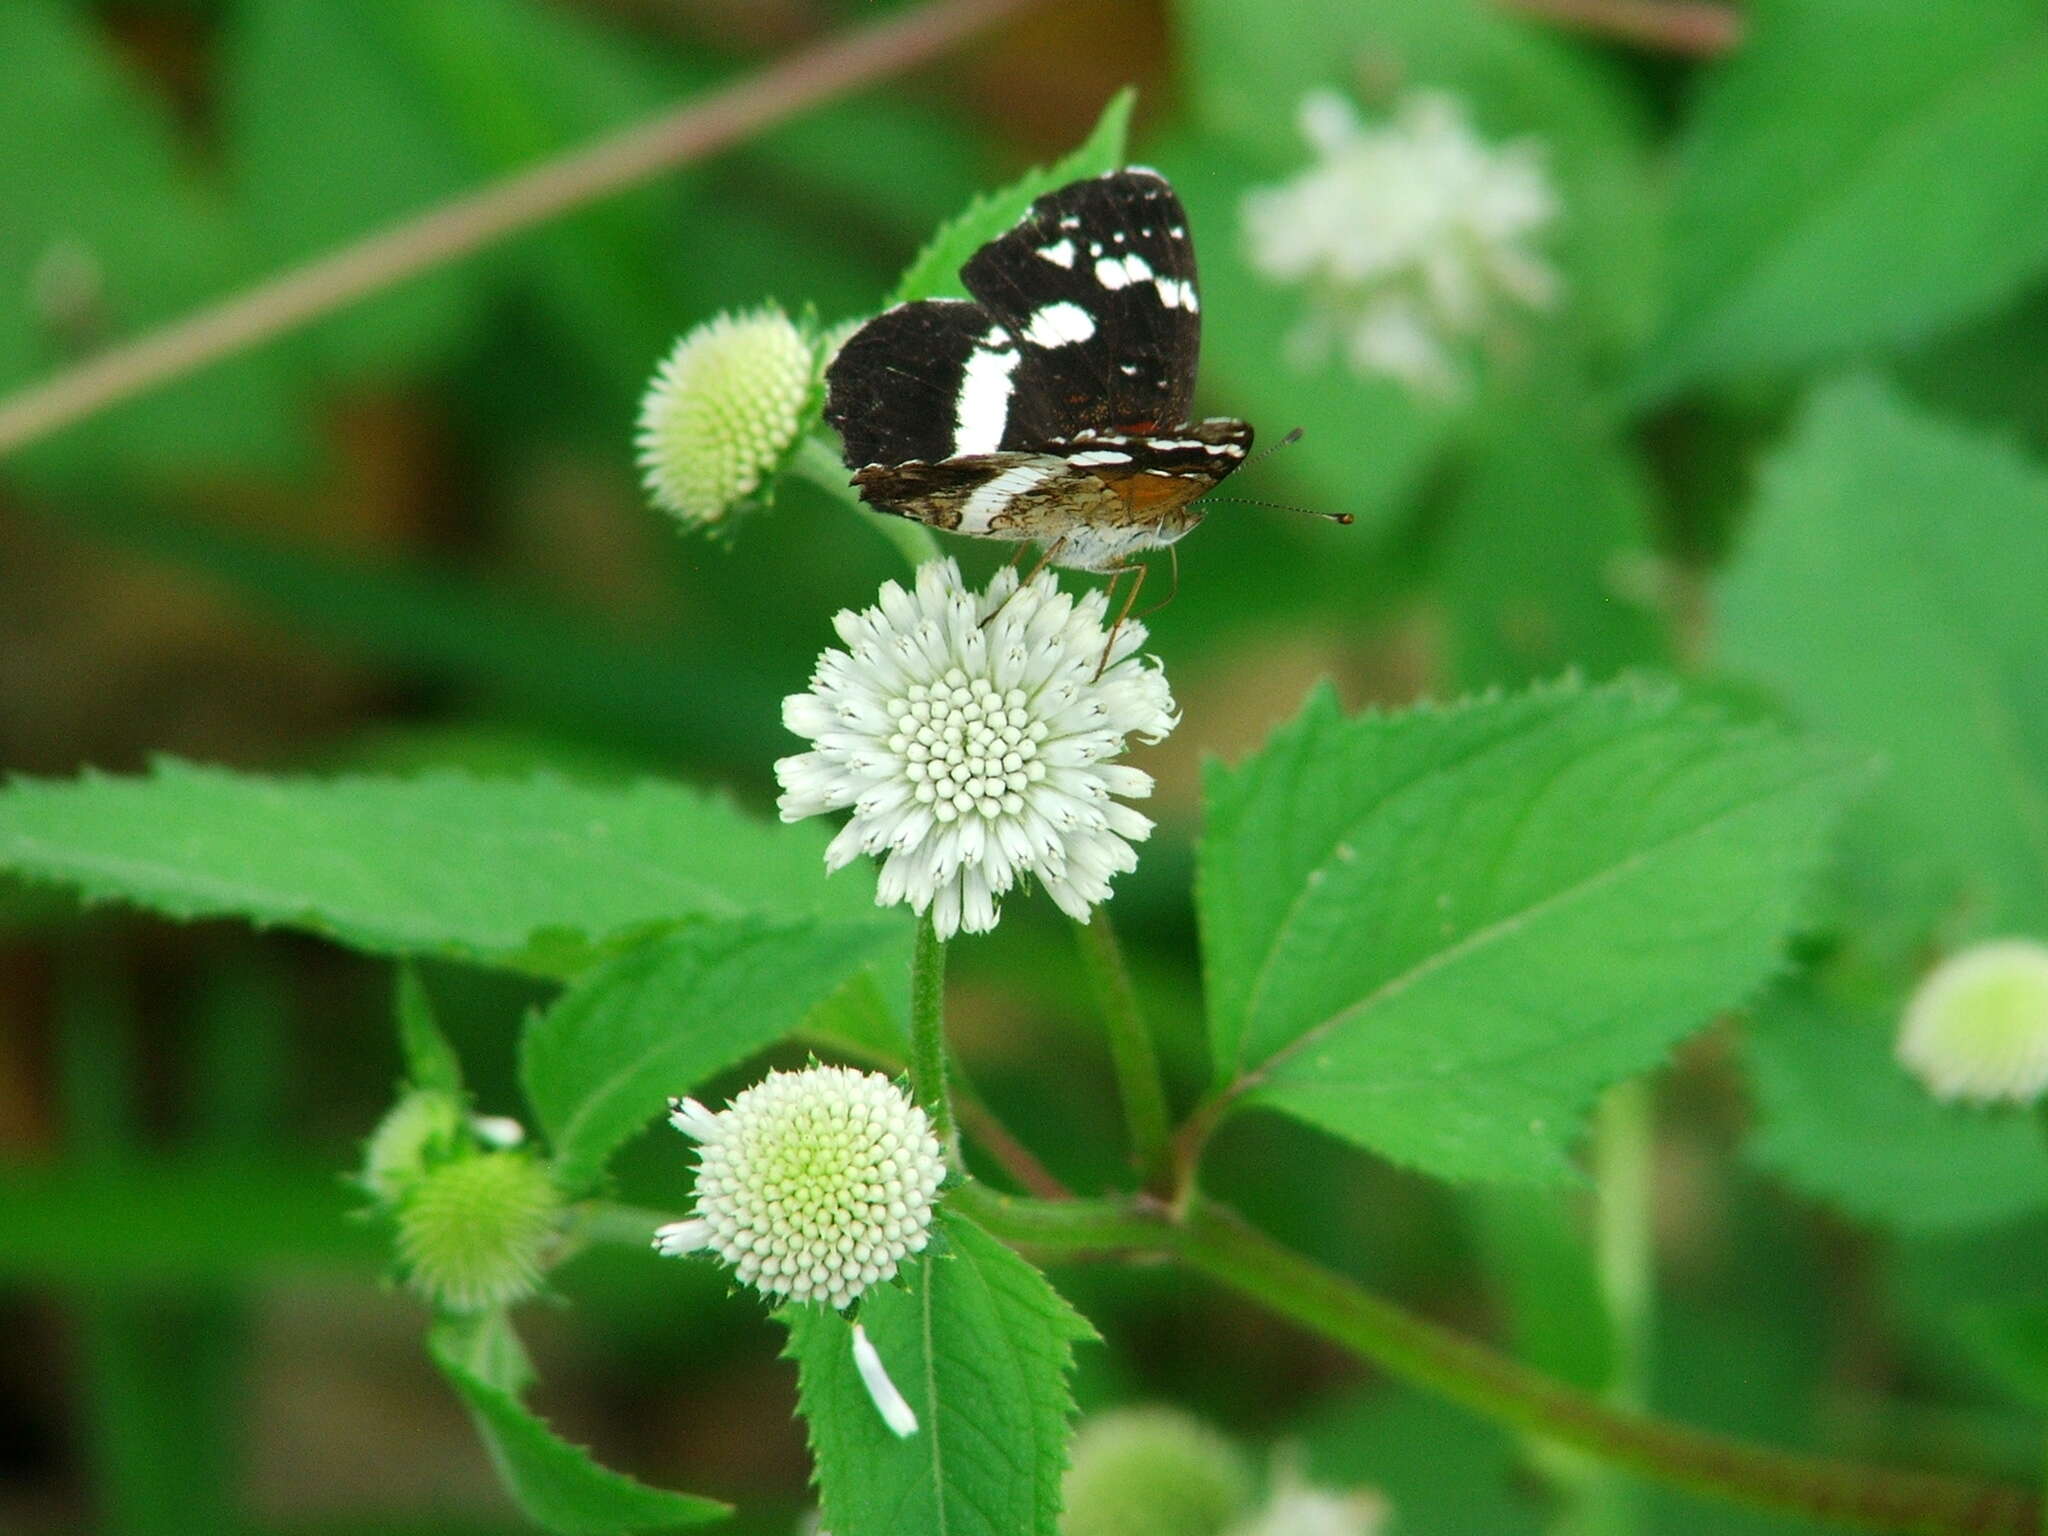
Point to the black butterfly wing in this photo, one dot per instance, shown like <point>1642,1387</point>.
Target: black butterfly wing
<point>898,387</point>
<point>1097,286</point>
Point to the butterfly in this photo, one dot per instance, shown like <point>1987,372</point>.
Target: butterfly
<point>1053,406</point>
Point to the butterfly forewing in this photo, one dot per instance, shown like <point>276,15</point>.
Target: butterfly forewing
<point>1097,283</point>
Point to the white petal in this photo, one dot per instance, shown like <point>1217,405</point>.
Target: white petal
<point>895,1411</point>
<point>681,1237</point>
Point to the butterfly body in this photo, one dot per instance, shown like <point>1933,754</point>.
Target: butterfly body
<point>1053,407</point>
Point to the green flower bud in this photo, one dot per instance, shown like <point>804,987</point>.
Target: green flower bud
<point>423,1127</point>
<point>1977,1028</point>
<point>723,410</point>
<point>1153,1472</point>
<point>471,1233</point>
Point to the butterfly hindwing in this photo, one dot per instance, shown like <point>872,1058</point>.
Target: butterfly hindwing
<point>1097,286</point>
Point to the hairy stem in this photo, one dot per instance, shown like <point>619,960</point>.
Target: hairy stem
<point>465,225</point>
<point>1218,1243</point>
<point>1138,1079</point>
<point>820,465</point>
<point>928,1034</point>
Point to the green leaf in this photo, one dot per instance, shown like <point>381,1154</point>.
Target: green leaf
<point>557,1484</point>
<point>1890,586</point>
<point>1440,934</point>
<point>326,140</point>
<point>535,874</point>
<point>106,234</point>
<point>981,1346</point>
<point>1845,1124</point>
<point>1855,176</point>
<point>936,271</point>
<point>666,1014</point>
<point>430,1059</point>
<point>1547,562</point>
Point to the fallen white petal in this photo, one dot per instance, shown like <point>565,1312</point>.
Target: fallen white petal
<point>895,1412</point>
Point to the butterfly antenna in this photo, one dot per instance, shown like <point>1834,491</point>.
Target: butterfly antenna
<point>1279,506</point>
<point>1344,518</point>
<point>1268,452</point>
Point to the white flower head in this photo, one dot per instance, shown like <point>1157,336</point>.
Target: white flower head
<point>722,411</point>
<point>1410,238</point>
<point>813,1185</point>
<point>1297,1507</point>
<point>974,735</point>
<point>1152,1471</point>
<point>1977,1028</point>
<point>1302,1511</point>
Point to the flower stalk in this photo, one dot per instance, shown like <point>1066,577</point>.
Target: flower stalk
<point>1140,1084</point>
<point>814,462</point>
<point>928,1035</point>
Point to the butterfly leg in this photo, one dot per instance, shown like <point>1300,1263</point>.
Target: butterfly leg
<point>1173,564</point>
<point>1051,551</point>
<point>1136,569</point>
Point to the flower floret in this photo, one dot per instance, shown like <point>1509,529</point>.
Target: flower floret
<point>812,1185</point>
<point>972,734</point>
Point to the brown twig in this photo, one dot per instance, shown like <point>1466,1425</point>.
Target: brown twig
<point>1695,28</point>
<point>1001,1143</point>
<point>470,223</point>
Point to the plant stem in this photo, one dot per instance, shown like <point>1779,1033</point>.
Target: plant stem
<point>1222,1245</point>
<point>1699,28</point>
<point>1127,1227</point>
<point>1138,1080</point>
<point>820,465</point>
<point>1624,1260</point>
<point>1624,1240</point>
<point>928,1034</point>
<point>465,225</point>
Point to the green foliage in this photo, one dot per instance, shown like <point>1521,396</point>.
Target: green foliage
<point>1440,934</point>
<point>666,1014</point>
<point>1547,561</point>
<point>980,1345</point>
<point>936,271</point>
<point>191,1220</point>
<point>1855,175</point>
<point>538,874</point>
<point>430,1061</point>
<point>1889,585</point>
<point>102,244</point>
<point>555,1483</point>
<point>327,139</point>
<point>1843,1122</point>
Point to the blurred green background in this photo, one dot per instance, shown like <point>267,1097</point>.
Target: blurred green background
<point>412,535</point>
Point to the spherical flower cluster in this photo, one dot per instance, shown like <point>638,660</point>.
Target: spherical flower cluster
<point>1153,1471</point>
<point>973,735</point>
<point>1409,238</point>
<point>813,1185</point>
<point>472,1232</point>
<point>722,410</point>
<point>1299,1510</point>
<point>1977,1027</point>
